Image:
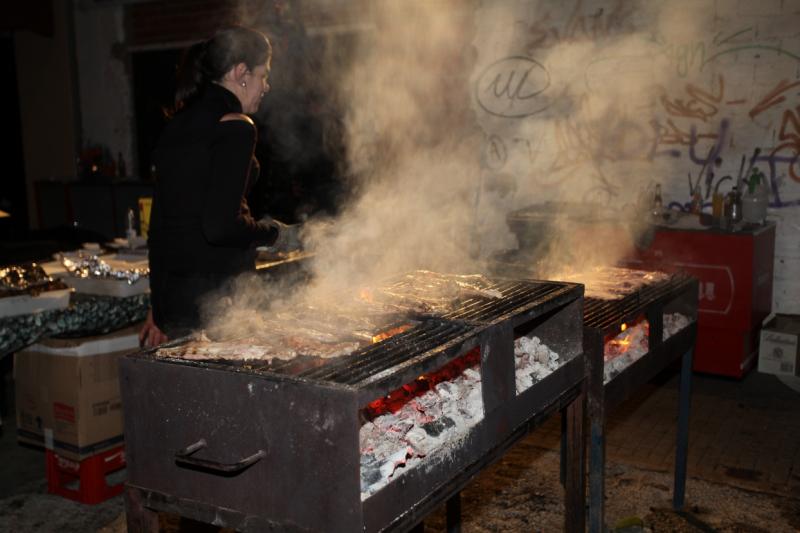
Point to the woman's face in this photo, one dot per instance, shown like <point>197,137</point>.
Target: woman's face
<point>256,86</point>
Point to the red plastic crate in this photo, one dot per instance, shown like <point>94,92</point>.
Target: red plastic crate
<point>90,475</point>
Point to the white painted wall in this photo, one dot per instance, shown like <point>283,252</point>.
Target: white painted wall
<point>609,97</point>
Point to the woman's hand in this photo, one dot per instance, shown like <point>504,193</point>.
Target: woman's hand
<point>150,335</point>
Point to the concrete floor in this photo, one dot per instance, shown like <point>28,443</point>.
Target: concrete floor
<point>740,479</point>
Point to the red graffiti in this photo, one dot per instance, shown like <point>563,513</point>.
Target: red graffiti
<point>701,105</point>
<point>790,132</point>
<point>672,134</point>
<point>773,98</point>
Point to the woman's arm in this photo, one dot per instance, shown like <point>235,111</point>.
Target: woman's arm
<point>226,220</point>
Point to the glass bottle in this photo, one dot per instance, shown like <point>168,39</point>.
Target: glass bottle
<point>130,230</point>
<point>697,201</point>
<point>658,203</point>
<point>736,209</point>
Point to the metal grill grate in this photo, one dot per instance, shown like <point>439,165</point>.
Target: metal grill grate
<point>381,356</point>
<point>423,341</point>
<point>602,314</point>
<point>517,297</point>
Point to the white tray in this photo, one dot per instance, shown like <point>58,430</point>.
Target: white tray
<point>107,287</point>
<point>26,304</point>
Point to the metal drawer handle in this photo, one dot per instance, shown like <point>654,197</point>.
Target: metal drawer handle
<point>183,458</point>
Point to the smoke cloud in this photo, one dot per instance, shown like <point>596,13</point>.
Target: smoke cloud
<point>439,148</point>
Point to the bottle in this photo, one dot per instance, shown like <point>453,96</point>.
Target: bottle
<point>130,230</point>
<point>658,203</point>
<point>122,170</point>
<point>736,209</point>
<point>697,201</point>
<point>717,210</point>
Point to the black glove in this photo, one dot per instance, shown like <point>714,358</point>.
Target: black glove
<point>288,236</point>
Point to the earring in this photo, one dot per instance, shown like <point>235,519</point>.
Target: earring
<point>244,84</point>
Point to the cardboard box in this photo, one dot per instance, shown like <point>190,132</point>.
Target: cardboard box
<point>67,393</point>
<point>780,340</point>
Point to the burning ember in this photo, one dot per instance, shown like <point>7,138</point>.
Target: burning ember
<point>634,337</point>
<point>418,419</point>
<point>633,341</point>
<point>391,333</point>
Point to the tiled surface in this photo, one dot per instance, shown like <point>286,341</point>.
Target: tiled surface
<point>743,433</point>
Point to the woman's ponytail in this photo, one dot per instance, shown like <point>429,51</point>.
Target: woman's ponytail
<point>208,61</point>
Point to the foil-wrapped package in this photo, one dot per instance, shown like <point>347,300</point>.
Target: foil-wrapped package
<point>26,279</point>
<point>92,266</point>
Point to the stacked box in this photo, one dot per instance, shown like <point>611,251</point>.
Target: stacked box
<point>779,351</point>
<point>67,393</point>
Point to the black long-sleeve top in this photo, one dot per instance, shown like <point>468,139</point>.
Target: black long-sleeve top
<point>200,221</point>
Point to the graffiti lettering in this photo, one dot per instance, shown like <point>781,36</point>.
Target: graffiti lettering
<point>509,87</point>
<point>543,33</point>
<point>701,105</point>
<point>496,152</point>
<point>792,145</point>
<point>685,56</point>
<point>773,98</point>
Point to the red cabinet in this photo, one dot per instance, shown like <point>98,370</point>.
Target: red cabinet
<point>735,274</point>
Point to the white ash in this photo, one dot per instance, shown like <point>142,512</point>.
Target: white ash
<point>393,443</point>
<point>673,323</point>
<point>533,361</point>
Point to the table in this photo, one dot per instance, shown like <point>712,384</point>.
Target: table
<point>86,315</point>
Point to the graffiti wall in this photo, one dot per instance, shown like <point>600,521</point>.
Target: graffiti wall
<point>588,100</point>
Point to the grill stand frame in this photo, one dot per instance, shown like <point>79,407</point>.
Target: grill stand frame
<point>603,398</point>
<point>402,501</point>
<point>142,505</point>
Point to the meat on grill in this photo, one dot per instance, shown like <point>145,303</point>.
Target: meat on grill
<point>339,326</point>
<point>426,292</point>
<point>612,283</point>
<point>257,348</point>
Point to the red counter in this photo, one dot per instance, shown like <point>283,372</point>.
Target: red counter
<point>735,273</point>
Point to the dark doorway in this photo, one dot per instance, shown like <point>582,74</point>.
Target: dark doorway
<point>13,195</point>
<point>153,91</point>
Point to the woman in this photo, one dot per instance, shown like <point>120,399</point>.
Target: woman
<point>201,232</point>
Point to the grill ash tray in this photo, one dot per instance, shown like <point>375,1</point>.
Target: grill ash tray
<point>285,441</point>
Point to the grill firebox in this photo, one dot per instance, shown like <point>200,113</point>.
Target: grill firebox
<point>276,446</point>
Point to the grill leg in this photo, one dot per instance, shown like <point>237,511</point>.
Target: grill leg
<point>573,464</point>
<point>453,508</point>
<point>597,475</point>
<point>140,519</point>
<point>593,344</point>
<point>682,444</point>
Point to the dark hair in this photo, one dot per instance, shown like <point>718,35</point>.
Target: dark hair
<point>208,61</point>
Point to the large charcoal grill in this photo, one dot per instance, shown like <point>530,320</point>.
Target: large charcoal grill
<point>276,446</point>
<point>603,319</point>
